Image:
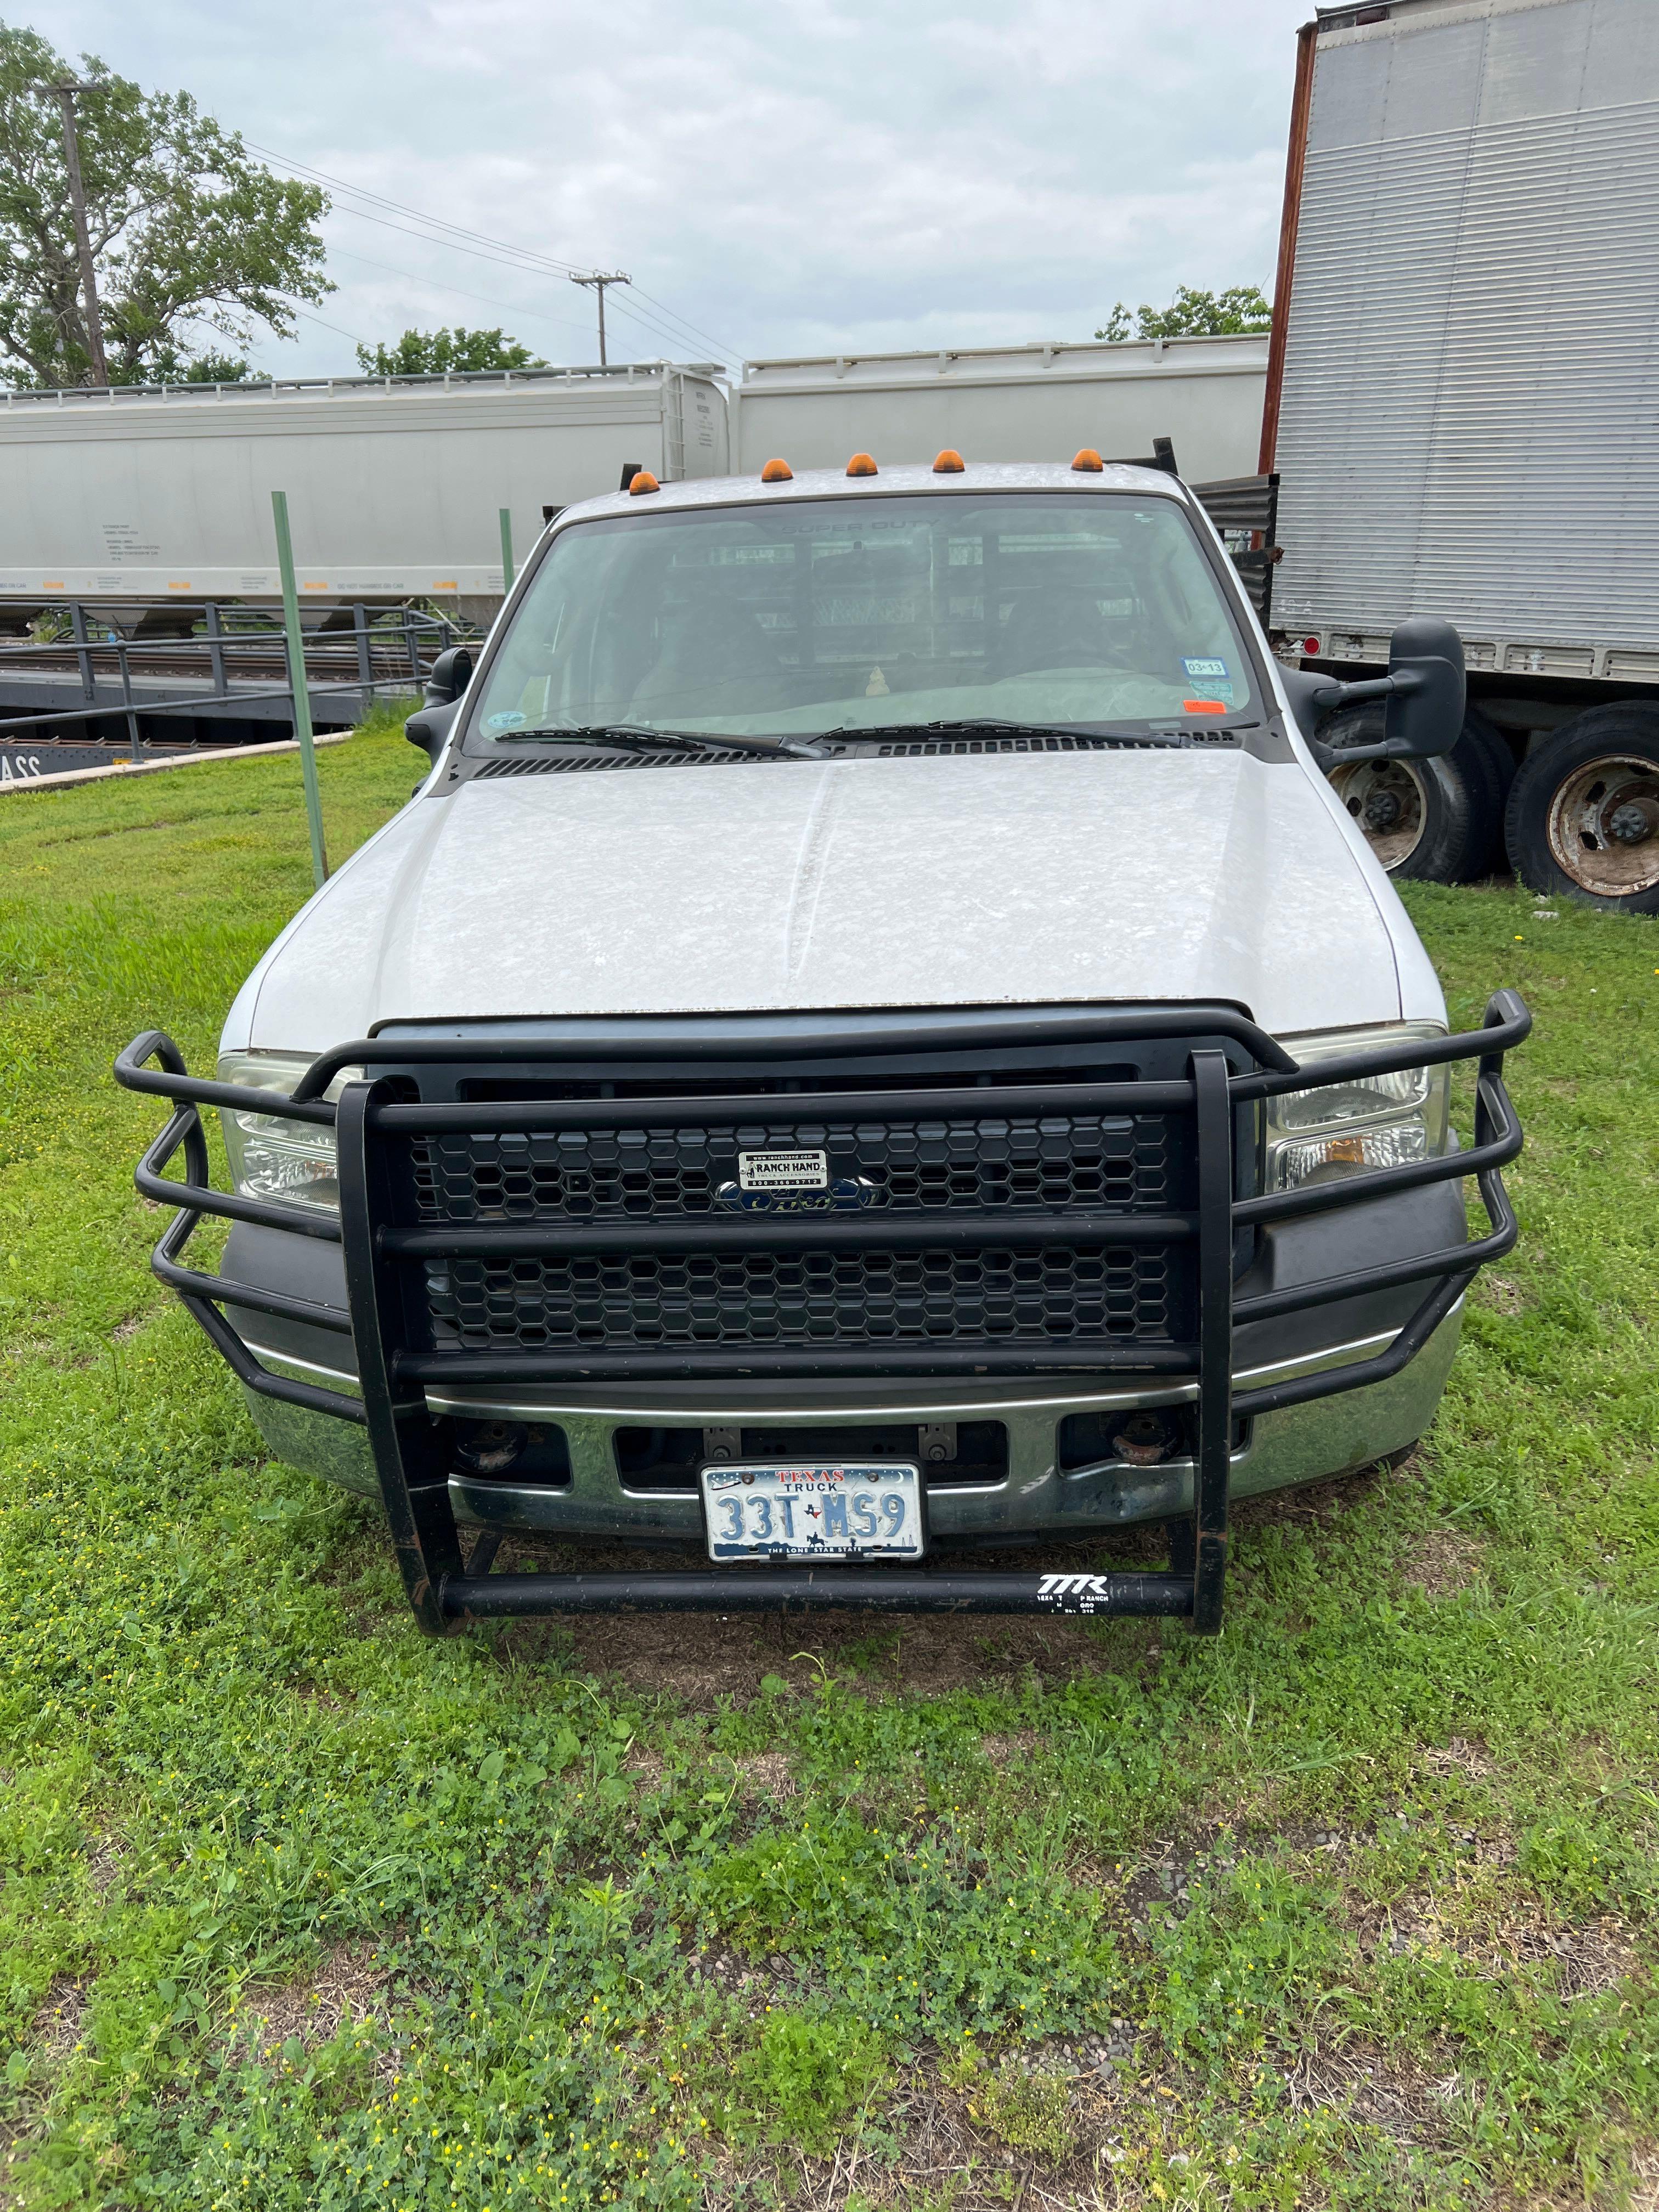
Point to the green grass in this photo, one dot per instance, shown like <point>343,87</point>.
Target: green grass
<point>1355,1907</point>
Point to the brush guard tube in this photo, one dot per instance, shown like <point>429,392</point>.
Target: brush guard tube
<point>411,1449</point>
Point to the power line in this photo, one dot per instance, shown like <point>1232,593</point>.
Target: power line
<point>436,284</point>
<point>527,258</point>
<point>398,207</point>
<point>676,343</point>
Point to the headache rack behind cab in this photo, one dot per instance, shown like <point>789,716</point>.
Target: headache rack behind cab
<point>998,1217</point>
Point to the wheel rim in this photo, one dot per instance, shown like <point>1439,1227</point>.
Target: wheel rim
<point>1604,826</point>
<point>1385,798</point>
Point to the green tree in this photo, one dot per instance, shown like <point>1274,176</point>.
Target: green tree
<point>1193,314</point>
<point>434,353</point>
<point>191,240</point>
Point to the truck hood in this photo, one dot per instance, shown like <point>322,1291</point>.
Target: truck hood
<point>938,881</point>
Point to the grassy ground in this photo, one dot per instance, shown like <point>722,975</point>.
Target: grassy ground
<point>1355,1907</point>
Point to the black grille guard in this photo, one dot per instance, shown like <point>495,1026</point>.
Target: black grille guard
<point>411,1447</point>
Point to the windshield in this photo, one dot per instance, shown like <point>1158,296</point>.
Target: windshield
<point>1054,609</point>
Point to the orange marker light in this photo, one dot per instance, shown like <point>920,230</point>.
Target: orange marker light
<point>777,472</point>
<point>950,462</point>
<point>643,481</point>
<point>1202,706</point>
<point>861,465</point>
<point>1088,461</point>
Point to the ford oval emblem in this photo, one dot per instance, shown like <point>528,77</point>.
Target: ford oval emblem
<point>845,1194</point>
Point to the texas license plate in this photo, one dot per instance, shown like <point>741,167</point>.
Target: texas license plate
<point>869,1510</point>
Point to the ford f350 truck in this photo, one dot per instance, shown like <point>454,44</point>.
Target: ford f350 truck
<point>875,1038</point>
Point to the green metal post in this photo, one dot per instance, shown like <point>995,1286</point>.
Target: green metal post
<point>296,677</point>
<point>507,549</point>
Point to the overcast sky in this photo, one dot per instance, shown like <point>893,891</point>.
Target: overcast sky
<point>786,176</point>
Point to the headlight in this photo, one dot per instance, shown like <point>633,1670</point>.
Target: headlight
<point>1370,1121</point>
<point>269,1156</point>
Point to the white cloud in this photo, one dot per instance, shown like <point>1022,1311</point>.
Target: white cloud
<point>795,177</point>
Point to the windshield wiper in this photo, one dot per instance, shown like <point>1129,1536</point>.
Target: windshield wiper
<point>970,726</point>
<point>645,739</point>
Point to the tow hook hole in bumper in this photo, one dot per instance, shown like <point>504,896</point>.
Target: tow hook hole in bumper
<point>519,1452</point>
<point>1137,1436</point>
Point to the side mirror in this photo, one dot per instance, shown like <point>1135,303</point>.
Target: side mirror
<point>1424,712</point>
<point>451,671</point>
<point>446,687</point>
<point>429,726</point>
<point>1425,689</point>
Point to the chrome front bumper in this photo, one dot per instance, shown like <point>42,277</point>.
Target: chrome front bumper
<point>1300,1443</point>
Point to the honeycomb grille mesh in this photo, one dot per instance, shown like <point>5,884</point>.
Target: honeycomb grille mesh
<point>1119,1162</point>
<point>1036,1294</point>
<point>999,1162</point>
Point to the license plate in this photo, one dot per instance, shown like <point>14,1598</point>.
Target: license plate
<point>871,1510</point>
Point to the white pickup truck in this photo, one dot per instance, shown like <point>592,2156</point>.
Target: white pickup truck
<point>874,1039</point>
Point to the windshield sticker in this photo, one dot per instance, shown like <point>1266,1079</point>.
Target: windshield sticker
<point>1209,677</point>
<point>510,720</point>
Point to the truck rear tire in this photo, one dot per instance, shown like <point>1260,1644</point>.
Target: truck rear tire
<point>1435,821</point>
<point>1583,820</point>
<point>1491,765</point>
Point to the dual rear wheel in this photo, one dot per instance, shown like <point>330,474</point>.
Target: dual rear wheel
<point>1436,821</point>
<point>1578,819</point>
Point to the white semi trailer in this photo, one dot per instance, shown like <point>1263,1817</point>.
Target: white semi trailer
<point>1461,408</point>
<point>1033,403</point>
<point>395,484</point>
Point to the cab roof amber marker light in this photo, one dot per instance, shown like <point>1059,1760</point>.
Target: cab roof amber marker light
<point>777,472</point>
<point>861,465</point>
<point>1088,462</point>
<point>644,480</point>
<point>950,462</point>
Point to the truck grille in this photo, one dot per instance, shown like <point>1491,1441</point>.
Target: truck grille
<point>1052,1294</point>
<point>1119,1162</point>
<point>1002,1160</point>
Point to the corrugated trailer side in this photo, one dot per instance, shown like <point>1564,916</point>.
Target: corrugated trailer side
<point>1472,342</point>
<point>1467,422</point>
<point>394,486</point>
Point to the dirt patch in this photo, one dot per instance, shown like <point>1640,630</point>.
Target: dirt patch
<point>104,1863</point>
<point>1463,1755</point>
<point>1442,1562</point>
<point>349,1985</point>
<point>767,1774</point>
<point>703,1657</point>
<point>1407,2104</point>
<point>57,2025</point>
<point>1504,1295</point>
<point>1013,1750</point>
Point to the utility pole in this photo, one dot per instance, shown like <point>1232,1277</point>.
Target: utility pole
<point>598,280</point>
<point>66,93</point>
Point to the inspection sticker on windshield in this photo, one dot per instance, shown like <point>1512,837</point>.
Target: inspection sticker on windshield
<point>811,1511</point>
<point>783,1170</point>
<point>1210,679</point>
